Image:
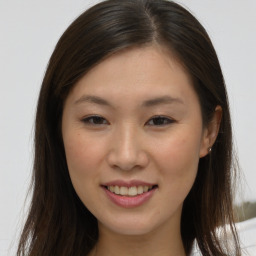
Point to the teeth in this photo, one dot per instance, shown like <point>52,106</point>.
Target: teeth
<point>131,191</point>
<point>117,190</point>
<point>145,188</point>
<point>123,191</point>
<point>140,190</point>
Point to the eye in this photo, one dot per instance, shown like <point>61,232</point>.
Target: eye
<point>160,121</point>
<point>95,120</point>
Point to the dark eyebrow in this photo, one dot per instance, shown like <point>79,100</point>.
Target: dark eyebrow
<point>92,99</point>
<point>161,100</point>
<point>148,103</point>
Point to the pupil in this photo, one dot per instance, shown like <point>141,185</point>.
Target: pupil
<point>159,121</point>
<point>97,120</point>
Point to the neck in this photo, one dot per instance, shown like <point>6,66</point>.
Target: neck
<point>165,241</point>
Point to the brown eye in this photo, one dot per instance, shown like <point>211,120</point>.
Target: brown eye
<point>160,121</point>
<point>95,120</point>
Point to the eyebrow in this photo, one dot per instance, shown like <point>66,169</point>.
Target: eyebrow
<point>161,100</point>
<point>148,103</point>
<point>92,99</point>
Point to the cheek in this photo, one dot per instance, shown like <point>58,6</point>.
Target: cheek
<point>177,158</point>
<point>83,157</point>
<point>180,149</point>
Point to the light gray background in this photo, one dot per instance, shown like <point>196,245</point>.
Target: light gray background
<point>29,31</point>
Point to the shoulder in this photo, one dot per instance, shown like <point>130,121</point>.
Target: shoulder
<point>247,234</point>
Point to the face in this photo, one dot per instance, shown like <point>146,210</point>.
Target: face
<point>133,136</point>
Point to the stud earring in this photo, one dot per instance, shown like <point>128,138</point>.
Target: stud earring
<point>209,150</point>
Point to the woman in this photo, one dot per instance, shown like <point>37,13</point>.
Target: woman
<point>133,142</point>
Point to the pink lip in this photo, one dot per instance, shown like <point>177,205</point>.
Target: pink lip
<point>131,183</point>
<point>128,201</point>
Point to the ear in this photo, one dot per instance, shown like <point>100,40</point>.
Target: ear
<point>210,132</point>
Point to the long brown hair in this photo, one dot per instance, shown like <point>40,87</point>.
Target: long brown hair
<point>58,223</point>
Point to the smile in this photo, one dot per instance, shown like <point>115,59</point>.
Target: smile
<point>129,191</point>
<point>129,194</point>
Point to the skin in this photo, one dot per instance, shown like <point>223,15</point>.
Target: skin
<point>129,142</point>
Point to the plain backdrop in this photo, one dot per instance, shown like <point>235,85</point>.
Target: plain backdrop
<point>29,31</point>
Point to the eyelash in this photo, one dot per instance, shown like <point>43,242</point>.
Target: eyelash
<point>164,119</point>
<point>90,120</point>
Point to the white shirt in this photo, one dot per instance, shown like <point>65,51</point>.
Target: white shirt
<point>247,234</point>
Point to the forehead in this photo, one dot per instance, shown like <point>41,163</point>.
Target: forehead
<point>134,74</point>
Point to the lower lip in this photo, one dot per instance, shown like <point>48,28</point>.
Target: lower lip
<point>129,201</point>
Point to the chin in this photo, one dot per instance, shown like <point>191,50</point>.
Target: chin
<point>132,225</point>
<point>131,230</point>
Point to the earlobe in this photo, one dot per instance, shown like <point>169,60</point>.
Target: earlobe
<point>211,132</point>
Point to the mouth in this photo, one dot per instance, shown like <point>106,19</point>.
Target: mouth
<point>131,191</point>
<point>129,194</point>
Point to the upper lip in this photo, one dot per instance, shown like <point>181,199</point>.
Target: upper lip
<point>131,183</point>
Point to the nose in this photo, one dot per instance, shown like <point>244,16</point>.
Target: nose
<point>126,151</point>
